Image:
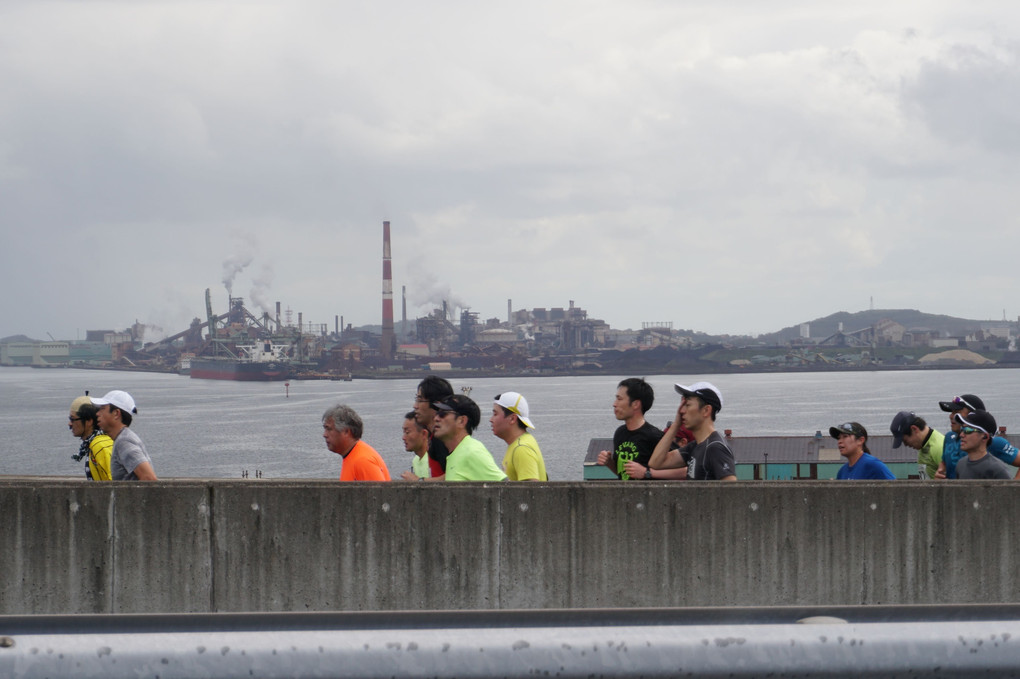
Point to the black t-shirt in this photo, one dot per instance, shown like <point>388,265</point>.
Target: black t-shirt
<point>438,453</point>
<point>709,460</point>
<point>637,445</point>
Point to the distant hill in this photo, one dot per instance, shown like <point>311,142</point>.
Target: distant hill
<point>16,338</point>
<point>911,319</point>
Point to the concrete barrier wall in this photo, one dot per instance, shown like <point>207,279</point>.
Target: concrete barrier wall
<point>197,546</point>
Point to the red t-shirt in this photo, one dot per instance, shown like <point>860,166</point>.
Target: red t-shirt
<point>363,463</point>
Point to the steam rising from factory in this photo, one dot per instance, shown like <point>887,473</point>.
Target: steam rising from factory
<point>235,264</point>
<point>241,345</point>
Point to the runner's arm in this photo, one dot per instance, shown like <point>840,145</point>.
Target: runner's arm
<point>661,458</point>
<point>145,472</point>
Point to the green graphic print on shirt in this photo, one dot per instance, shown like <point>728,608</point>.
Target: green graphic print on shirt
<point>627,452</point>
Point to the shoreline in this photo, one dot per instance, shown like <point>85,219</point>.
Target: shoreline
<point>647,369</point>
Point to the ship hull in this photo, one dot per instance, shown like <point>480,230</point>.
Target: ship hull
<point>240,371</point>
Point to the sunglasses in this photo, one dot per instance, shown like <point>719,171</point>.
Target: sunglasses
<point>959,400</point>
<point>74,419</point>
<point>443,413</point>
<point>971,430</point>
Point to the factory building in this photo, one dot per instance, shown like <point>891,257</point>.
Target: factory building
<point>60,353</point>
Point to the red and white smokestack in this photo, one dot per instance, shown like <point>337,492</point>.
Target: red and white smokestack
<point>388,341</point>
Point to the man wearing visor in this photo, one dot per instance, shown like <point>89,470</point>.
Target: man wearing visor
<point>977,429</point>
<point>860,465</point>
<point>952,453</point>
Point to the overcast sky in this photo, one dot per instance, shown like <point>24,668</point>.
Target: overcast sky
<point>732,166</point>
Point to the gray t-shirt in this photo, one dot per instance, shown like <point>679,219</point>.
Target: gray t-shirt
<point>128,453</point>
<point>987,467</point>
<point>709,460</point>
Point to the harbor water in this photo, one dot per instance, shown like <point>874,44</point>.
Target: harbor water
<point>215,429</point>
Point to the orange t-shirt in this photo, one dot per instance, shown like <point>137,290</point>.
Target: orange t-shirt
<point>363,464</point>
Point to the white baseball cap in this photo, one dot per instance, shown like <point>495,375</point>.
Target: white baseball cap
<point>516,404</point>
<point>120,399</point>
<point>706,391</point>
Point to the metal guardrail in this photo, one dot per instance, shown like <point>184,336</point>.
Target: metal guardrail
<point>911,641</point>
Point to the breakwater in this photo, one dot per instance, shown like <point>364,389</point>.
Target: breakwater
<point>214,546</point>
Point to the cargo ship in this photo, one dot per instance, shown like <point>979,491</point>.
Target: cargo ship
<point>260,362</point>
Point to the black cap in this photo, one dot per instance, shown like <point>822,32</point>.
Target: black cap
<point>852,428</point>
<point>979,419</point>
<point>901,426</point>
<point>462,405</point>
<point>968,401</point>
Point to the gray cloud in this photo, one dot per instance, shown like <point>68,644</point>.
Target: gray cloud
<point>970,94</point>
<point>734,167</point>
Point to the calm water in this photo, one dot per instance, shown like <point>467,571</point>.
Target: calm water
<point>209,428</point>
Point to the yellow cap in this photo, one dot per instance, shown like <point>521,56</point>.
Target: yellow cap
<point>79,402</point>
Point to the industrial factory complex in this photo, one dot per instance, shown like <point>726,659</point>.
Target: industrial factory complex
<point>239,345</point>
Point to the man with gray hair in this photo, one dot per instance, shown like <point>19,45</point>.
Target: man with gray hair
<point>342,429</point>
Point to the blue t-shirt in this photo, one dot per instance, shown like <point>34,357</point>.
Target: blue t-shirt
<point>952,454</point>
<point>867,467</point>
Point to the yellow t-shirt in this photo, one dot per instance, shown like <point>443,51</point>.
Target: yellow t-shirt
<point>523,460</point>
<point>100,449</point>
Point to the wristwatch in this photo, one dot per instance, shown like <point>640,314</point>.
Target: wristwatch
<point>648,472</point>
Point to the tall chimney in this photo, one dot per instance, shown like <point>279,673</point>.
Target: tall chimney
<point>388,342</point>
<point>509,312</point>
<point>403,305</point>
<point>279,328</point>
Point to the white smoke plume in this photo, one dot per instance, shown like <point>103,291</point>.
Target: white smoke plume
<point>245,246</point>
<point>259,293</point>
<point>152,333</point>
<point>426,291</point>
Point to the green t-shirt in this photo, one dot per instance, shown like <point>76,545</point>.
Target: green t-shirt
<point>420,466</point>
<point>930,455</point>
<point>471,461</point>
